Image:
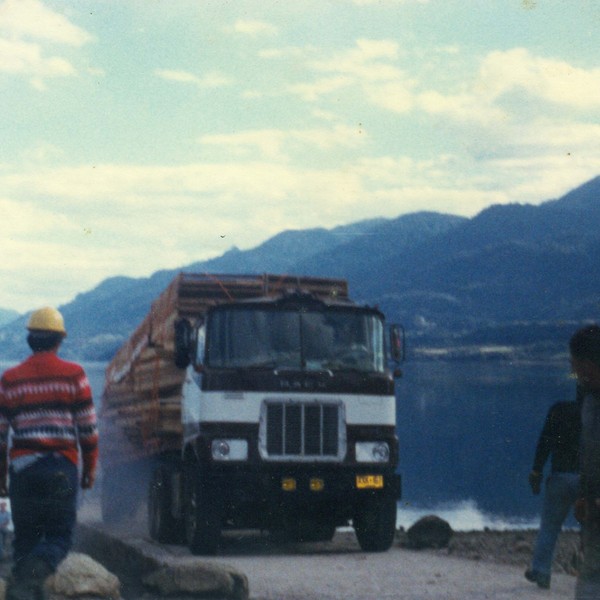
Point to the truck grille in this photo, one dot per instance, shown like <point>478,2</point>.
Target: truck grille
<point>302,431</point>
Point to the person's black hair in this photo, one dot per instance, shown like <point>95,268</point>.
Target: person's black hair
<point>585,344</point>
<point>42,341</point>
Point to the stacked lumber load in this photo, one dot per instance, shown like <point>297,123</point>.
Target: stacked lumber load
<point>141,408</point>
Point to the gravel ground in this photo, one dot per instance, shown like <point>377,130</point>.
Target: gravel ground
<point>509,547</point>
<point>475,565</point>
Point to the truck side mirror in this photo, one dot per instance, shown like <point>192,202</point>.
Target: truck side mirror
<point>397,342</point>
<point>183,337</point>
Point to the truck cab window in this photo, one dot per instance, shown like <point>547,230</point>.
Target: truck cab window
<point>288,339</point>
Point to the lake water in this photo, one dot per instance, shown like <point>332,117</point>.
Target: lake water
<point>467,433</point>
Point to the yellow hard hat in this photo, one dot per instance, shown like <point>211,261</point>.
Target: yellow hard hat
<point>47,319</point>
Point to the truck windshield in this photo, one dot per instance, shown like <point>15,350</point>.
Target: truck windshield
<point>280,339</point>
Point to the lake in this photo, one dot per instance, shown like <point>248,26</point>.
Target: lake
<point>467,434</point>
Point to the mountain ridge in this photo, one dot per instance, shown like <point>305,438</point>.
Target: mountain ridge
<point>451,280</point>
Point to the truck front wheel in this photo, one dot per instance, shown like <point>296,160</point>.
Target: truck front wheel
<point>375,523</point>
<point>202,516</point>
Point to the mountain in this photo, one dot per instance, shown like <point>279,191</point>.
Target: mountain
<point>6,316</point>
<point>512,275</point>
<point>101,319</point>
<point>508,263</point>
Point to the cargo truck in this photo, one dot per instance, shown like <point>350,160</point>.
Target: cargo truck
<point>255,401</point>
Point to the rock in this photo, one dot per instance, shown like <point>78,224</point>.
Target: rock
<point>81,576</point>
<point>429,532</point>
<point>197,579</point>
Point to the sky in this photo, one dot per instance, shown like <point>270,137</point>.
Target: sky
<point>145,135</point>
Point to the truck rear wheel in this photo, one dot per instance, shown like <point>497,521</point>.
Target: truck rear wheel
<point>164,528</point>
<point>375,523</point>
<point>202,516</point>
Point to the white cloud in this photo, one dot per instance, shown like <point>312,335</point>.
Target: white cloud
<point>491,97</point>
<point>22,217</point>
<point>18,57</point>
<point>179,76</point>
<point>554,81</point>
<point>544,136</point>
<point>268,142</point>
<point>31,19</point>
<point>254,28</point>
<point>359,61</point>
<point>212,79</point>
<point>314,90</point>
<point>274,144</point>
<point>395,96</point>
<point>25,26</point>
<point>370,67</point>
<point>460,107</point>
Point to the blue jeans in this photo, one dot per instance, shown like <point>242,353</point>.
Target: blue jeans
<point>43,498</point>
<point>562,489</point>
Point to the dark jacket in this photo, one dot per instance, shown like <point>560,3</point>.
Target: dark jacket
<point>560,439</point>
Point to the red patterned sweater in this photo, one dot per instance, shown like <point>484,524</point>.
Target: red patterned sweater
<point>47,402</point>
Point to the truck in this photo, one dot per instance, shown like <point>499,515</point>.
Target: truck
<point>254,402</point>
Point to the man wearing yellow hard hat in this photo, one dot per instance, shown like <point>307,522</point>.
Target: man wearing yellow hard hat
<point>47,403</point>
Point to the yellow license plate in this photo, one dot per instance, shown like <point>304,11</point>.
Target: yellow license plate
<point>369,482</point>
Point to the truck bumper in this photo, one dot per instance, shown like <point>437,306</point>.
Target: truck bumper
<point>260,499</point>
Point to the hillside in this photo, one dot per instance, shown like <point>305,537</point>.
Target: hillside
<point>514,275</point>
<point>6,316</point>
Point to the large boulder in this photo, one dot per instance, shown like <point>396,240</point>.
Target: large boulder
<point>79,576</point>
<point>197,579</point>
<point>161,572</point>
<point>429,532</point>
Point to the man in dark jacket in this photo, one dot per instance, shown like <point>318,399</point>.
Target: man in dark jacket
<point>559,441</point>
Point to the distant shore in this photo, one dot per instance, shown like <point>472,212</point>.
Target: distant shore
<point>491,353</point>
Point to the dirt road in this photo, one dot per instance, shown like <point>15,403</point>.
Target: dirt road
<point>340,571</point>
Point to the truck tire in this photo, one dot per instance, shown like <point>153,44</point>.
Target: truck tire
<point>163,527</point>
<point>375,523</point>
<point>201,515</point>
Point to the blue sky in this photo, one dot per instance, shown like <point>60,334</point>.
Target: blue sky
<point>143,135</point>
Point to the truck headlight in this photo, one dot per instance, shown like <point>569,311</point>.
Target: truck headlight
<point>223,449</point>
<point>372,452</point>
